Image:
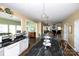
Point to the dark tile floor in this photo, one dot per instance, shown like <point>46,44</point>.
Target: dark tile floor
<point>68,52</point>
<point>39,49</point>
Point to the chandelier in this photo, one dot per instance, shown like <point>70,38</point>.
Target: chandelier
<point>44,16</point>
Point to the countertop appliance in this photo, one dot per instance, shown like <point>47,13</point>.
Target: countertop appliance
<point>0,39</point>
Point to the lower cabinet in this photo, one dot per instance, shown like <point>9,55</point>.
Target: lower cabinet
<point>1,51</point>
<point>12,50</point>
<point>27,44</point>
<point>32,35</point>
<point>15,49</point>
<point>23,45</point>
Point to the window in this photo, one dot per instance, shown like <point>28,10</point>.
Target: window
<point>12,29</point>
<point>18,27</point>
<point>3,28</point>
<point>59,28</point>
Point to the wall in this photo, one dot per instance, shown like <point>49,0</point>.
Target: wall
<point>70,22</point>
<point>40,28</point>
<point>7,21</point>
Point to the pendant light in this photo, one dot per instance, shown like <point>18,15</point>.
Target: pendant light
<point>44,16</point>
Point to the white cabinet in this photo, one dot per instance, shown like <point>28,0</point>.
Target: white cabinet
<point>15,49</point>
<point>12,50</point>
<point>23,45</point>
<point>1,51</point>
<point>27,44</point>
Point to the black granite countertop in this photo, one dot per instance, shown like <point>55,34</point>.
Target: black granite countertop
<point>12,42</point>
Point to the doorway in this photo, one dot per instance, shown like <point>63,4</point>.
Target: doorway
<point>66,32</point>
<point>76,35</point>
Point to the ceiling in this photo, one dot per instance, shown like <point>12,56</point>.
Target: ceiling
<point>56,12</point>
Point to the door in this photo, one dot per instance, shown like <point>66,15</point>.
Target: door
<point>76,35</point>
<point>23,45</point>
<point>65,32</point>
<point>1,51</point>
<point>12,50</point>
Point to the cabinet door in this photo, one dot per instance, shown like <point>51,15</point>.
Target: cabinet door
<point>12,50</point>
<point>23,45</point>
<point>1,51</point>
<point>27,43</point>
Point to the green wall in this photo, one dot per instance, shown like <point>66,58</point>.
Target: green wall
<point>8,21</point>
<point>31,26</point>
